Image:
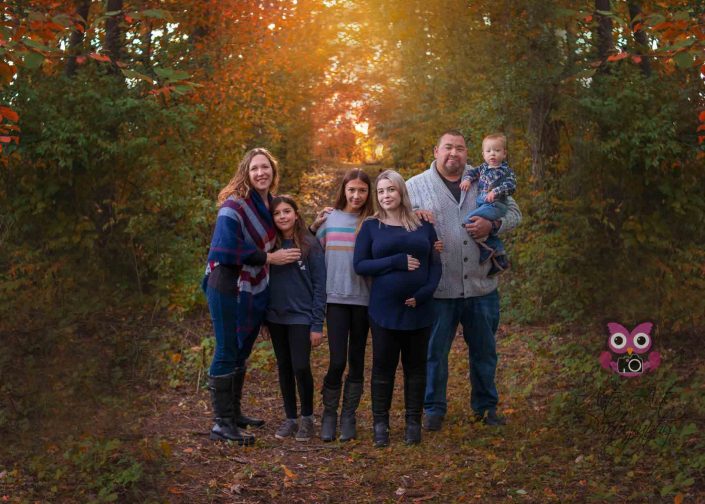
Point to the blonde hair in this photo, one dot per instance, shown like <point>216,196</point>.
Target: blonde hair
<point>496,136</point>
<point>240,183</point>
<point>408,218</point>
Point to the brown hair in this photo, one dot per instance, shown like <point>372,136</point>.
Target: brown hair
<point>496,136</point>
<point>240,183</point>
<point>302,237</point>
<point>341,200</point>
<point>409,220</point>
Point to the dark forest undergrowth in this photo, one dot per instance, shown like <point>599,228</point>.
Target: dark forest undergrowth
<point>132,426</point>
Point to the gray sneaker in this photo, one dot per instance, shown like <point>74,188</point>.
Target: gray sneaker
<point>287,429</point>
<point>305,431</point>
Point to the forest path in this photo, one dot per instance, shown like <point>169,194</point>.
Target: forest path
<point>142,434</point>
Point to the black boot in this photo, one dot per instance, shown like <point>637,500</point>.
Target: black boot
<point>242,420</point>
<point>221,389</point>
<point>381,402</point>
<point>414,388</point>
<point>329,419</point>
<point>351,400</point>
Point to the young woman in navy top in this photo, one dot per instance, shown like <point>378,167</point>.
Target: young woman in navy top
<point>396,249</point>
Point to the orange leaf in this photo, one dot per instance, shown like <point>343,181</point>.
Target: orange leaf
<point>588,18</point>
<point>701,139</point>
<point>678,499</point>
<point>702,116</point>
<point>636,59</point>
<point>80,60</point>
<point>100,57</point>
<point>9,114</point>
<point>129,19</point>
<point>288,473</point>
<point>5,139</point>
<point>701,127</point>
<point>617,57</point>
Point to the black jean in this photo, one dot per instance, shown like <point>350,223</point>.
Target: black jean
<point>347,337</point>
<point>292,347</point>
<point>387,345</point>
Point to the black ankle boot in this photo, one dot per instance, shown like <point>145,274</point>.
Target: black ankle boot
<point>329,419</point>
<point>381,432</point>
<point>225,428</point>
<point>351,400</point>
<point>414,388</point>
<point>381,402</point>
<point>241,420</point>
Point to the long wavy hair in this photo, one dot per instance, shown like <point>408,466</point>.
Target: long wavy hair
<point>302,237</point>
<point>240,183</point>
<point>341,199</point>
<point>408,218</point>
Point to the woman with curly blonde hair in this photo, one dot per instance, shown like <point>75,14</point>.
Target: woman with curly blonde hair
<point>236,285</point>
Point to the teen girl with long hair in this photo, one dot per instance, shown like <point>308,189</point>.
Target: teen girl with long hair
<point>347,299</point>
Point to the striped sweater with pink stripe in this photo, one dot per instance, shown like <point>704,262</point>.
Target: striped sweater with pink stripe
<point>337,236</point>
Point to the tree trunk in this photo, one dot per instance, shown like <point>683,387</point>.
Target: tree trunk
<point>147,46</point>
<point>605,43</point>
<point>642,43</point>
<point>77,36</point>
<point>113,34</point>
<point>543,134</point>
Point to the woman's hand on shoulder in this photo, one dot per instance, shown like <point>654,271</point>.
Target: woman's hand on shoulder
<point>316,338</point>
<point>283,256</point>
<point>426,215</point>
<point>320,219</point>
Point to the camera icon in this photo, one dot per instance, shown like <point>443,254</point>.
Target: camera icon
<point>630,364</point>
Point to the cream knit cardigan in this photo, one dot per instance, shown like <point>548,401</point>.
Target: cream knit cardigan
<point>462,276</point>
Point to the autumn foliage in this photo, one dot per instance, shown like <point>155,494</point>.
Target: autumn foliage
<point>121,120</point>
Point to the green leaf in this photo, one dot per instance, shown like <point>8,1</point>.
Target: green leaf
<point>171,75</point>
<point>155,13</point>
<point>684,59</point>
<point>33,60</point>
<point>35,45</point>
<point>682,16</point>
<point>655,19</point>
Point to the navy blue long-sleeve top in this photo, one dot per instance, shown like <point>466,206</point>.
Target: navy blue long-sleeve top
<point>381,253</point>
<point>298,289</point>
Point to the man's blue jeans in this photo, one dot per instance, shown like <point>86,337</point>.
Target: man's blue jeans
<point>480,319</point>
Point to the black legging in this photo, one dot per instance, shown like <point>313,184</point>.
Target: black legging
<point>345,321</point>
<point>387,344</point>
<point>292,347</point>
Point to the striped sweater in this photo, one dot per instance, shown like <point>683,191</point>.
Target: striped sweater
<point>337,237</point>
<point>463,276</point>
<point>244,232</point>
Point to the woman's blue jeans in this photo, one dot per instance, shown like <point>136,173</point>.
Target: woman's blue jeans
<point>233,341</point>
